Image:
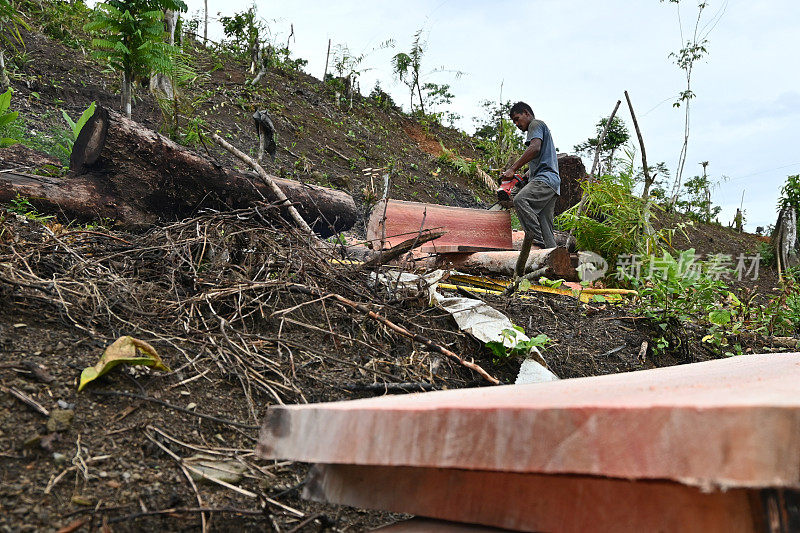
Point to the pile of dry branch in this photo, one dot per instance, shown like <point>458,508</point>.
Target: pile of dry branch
<point>258,302</point>
<point>238,301</point>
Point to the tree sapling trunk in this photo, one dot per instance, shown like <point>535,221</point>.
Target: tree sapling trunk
<point>126,94</point>
<point>4,81</point>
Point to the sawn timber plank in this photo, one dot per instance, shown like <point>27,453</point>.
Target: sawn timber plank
<point>730,423</point>
<point>472,229</point>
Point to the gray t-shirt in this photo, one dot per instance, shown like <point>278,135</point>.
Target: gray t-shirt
<point>543,167</point>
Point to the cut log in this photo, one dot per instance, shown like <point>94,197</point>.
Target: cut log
<point>555,260</point>
<point>531,502</point>
<point>467,229</point>
<point>563,240</point>
<point>126,172</point>
<point>21,158</point>
<point>730,423</point>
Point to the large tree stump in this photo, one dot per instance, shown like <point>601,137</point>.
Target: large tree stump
<point>573,173</point>
<point>126,172</point>
<point>784,239</point>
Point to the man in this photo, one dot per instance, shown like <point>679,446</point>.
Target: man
<point>536,200</point>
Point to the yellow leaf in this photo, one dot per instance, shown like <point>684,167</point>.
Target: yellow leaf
<point>123,350</point>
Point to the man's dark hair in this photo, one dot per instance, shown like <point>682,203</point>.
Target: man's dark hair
<point>520,108</point>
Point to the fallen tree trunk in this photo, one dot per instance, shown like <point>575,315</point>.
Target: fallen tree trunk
<point>126,172</point>
<point>556,261</point>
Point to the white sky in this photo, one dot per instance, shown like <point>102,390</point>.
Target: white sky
<point>572,60</point>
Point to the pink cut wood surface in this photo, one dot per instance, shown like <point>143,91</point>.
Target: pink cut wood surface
<point>474,229</point>
<point>535,502</point>
<point>424,525</point>
<point>733,422</point>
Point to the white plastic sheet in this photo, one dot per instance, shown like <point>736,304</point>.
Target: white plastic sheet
<point>475,317</point>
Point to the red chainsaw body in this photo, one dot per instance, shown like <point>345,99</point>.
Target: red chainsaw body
<point>504,192</point>
<point>509,184</point>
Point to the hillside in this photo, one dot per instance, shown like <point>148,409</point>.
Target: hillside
<point>319,141</point>
<point>243,311</point>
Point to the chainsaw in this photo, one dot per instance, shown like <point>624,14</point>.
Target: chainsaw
<point>504,197</point>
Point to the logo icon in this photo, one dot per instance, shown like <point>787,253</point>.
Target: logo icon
<point>591,266</point>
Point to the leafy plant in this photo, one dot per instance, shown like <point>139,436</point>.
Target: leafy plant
<point>696,199</point>
<point>459,164</point>
<point>519,348</point>
<point>130,37</point>
<point>7,119</point>
<point>381,98</point>
<point>614,221</point>
<point>65,149</point>
<point>616,136</point>
<point>767,254</point>
<point>62,21</point>
<point>10,23</point>
<point>349,67</point>
<point>192,132</point>
<point>498,137</point>
<point>678,290</point>
<point>172,102</point>
<point>790,193</point>
<point>553,283</point>
<point>22,206</point>
<point>407,67</point>
<point>243,33</point>
<point>781,314</point>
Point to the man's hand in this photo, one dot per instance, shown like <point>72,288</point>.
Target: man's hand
<point>527,156</point>
<point>508,174</point>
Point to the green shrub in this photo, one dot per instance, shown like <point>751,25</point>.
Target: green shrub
<point>22,206</point>
<point>9,124</point>
<point>64,147</point>
<point>767,253</point>
<point>613,221</point>
<point>780,316</point>
<point>680,290</point>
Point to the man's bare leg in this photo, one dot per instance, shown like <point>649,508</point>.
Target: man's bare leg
<point>524,252</point>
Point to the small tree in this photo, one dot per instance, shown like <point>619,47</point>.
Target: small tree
<point>243,32</point>
<point>349,67</point>
<point>790,193</point>
<point>132,39</point>
<point>696,198</point>
<point>408,69</point>
<point>616,136</point>
<point>694,48</point>
<point>497,136</point>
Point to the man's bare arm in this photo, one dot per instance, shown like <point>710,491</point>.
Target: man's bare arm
<point>529,155</point>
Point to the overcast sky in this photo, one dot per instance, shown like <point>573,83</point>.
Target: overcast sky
<point>571,61</point>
